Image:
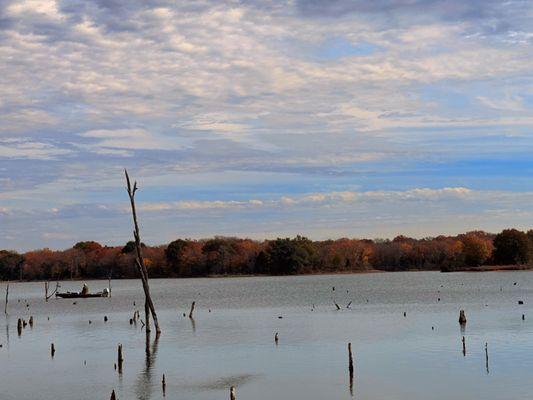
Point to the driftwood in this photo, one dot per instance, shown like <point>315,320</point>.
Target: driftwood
<point>139,261</point>
<point>192,309</point>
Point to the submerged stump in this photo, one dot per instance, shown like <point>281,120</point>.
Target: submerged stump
<point>462,317</point>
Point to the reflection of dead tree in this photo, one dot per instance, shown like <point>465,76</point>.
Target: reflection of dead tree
<point>143,386</point>
<point>139,261</point>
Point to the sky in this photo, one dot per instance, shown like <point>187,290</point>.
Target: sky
<point>263,119</point>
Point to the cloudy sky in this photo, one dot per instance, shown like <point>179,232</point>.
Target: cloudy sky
<point>264,118</point>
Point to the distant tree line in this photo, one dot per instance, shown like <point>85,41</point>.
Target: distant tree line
<point>282,256</point>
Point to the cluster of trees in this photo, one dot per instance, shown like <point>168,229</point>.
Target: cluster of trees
<point>299,255</point>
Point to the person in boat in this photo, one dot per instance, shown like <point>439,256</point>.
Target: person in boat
<point>84,290</point>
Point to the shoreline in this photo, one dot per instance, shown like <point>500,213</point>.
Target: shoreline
<point>485,268</point>
<point>493,268</point>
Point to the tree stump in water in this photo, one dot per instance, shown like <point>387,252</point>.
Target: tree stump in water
<point>462,317</point>
<point>120,359</point>
<point>232,395</point>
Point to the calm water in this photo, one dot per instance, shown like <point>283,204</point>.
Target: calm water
<point>396,357</point>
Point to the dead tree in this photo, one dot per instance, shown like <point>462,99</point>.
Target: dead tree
<point>139,260</point>
<point>47,297</point>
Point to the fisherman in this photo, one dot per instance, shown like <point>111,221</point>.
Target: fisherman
<point>85,289</point>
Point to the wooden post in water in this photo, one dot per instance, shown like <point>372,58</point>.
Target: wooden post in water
<point>19,326</point>
<point>487,357</point>
<point>52,350</point>
<point>464,346</point>
<point>462,317</point>
<point>192,309</point>
<point>113,397</point>
<point>276,338</point>
<point>232,395</point>
<point>139,261</point>
<point>31,321</point>
<point>164,385</point>
<point>7,295</point>
<point>350,367</point>
<point>120,359</point>
<point>46,291</point>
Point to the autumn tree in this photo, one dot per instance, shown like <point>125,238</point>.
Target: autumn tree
<point>475,250</point>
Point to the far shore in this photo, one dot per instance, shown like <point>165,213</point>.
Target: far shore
<point>483,268</point>
<point>493,268</point>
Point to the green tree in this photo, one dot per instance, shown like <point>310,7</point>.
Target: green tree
<point>291,256</point>
<point>10,264</point>
<point>512,246</point>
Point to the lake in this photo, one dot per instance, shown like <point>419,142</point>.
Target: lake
<point>230,342</point>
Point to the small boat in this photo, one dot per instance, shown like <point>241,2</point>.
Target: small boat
<point>77,295</point>
<point>84,294</point>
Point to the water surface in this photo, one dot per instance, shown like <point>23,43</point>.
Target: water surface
<point>230,342</point>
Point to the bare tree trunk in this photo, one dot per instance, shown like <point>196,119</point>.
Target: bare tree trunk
<point>149,305</point>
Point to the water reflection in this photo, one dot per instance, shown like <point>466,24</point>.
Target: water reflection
<point>487,358</point>
<point>193,325</point>
<point>7,331</point>
<point>143,386</point>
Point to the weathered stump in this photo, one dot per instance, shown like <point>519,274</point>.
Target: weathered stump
<point>462,317</point>
<point>120,358</point>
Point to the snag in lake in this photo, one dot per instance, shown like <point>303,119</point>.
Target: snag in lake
<point>139,260</point>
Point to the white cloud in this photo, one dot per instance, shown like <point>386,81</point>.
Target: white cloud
<point>27,148</point>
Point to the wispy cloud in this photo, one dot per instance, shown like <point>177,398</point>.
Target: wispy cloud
<point>216,105</point>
